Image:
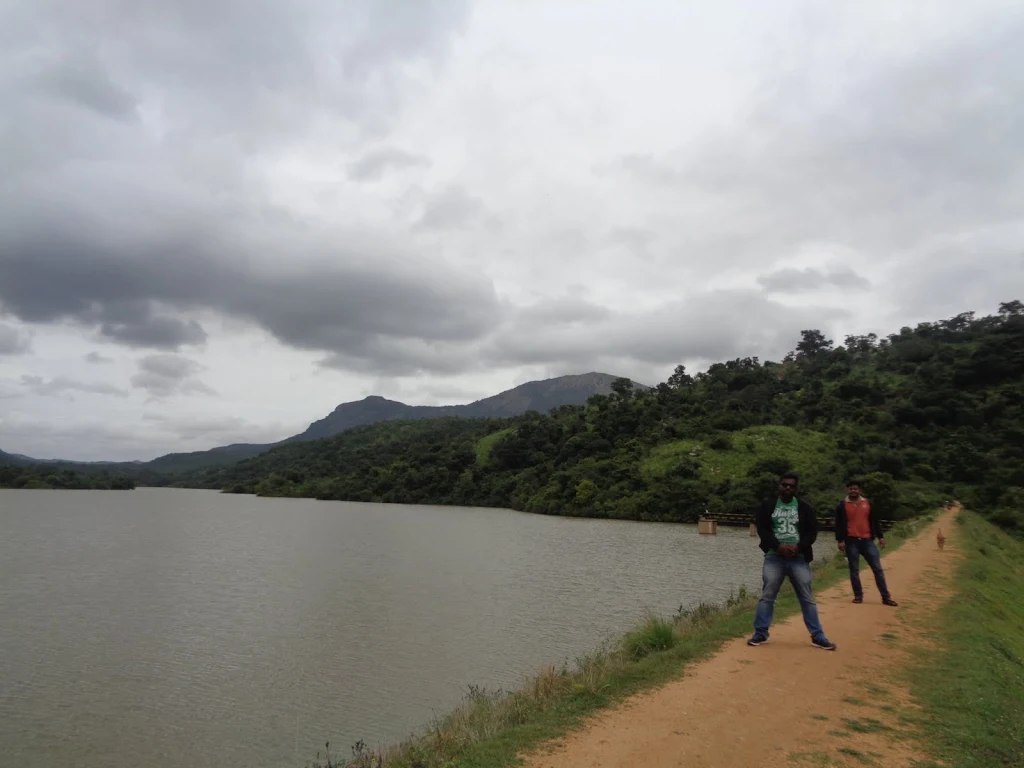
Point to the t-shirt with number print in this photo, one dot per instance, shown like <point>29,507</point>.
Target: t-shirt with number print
<point>784,523</point>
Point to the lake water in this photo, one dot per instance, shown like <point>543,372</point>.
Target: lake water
<point>175,628</point>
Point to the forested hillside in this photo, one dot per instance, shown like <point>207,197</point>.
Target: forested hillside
<point>41,477</point>
<point>921,415</point>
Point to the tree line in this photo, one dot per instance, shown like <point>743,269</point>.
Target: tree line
<point>37,476</point>
<point>920,416</point>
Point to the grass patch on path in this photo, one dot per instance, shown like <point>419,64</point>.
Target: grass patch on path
<point>491,729</point>
<point>972,689</point>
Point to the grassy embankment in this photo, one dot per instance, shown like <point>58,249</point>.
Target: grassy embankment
<point>971,688</point>
<point>491,728</point>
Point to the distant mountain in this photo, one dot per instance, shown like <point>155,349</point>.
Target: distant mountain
<point>14,458</point>
<point>174,463</point>
<point>539,396</point>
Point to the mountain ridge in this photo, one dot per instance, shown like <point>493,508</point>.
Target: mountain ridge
<point>538,395</point>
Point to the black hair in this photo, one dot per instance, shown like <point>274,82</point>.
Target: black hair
<point>853,481</point>
<point>790,476</point>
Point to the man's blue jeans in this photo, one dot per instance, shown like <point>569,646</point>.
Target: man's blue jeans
<point>866,547</point>
<point>775,570</point>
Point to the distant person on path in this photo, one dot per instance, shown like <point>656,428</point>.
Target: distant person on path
<point>857,527</point>
<point>788,528</point>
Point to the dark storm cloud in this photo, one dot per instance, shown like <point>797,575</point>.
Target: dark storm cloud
<point>62,385</point>
<point>124,204</point>
<point>97,359</point>
<point>164,375</point>
<point>333,300</point>
<point>798,280</point>
<point>147,330</point>
<point>375,164</point>
<point>12,341</point>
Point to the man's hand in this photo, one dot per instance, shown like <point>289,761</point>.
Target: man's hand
<point>842,546</point>
<point>881,543</point>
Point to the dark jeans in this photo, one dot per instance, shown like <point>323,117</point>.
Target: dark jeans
<point>773,573</point>
<point>866,547</point>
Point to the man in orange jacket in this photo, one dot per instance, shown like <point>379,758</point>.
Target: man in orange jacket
<point>857,527</point>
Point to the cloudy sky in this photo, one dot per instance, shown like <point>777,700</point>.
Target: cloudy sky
<point>220,219</point>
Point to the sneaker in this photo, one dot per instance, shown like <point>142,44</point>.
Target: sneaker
<point>889,601</point>
<point>824,643</point>
<point>757,639</point>
<point>858,599</point>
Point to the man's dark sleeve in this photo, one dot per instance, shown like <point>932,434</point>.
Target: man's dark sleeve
<point>809,530</point>
<point>841,521</point>
<point>876,524</point>
<point>763,521</point>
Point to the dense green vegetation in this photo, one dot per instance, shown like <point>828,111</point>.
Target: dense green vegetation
<point>922,415</point>
<point>40,476</point>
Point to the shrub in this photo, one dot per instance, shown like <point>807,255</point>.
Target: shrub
<point>721,442</point>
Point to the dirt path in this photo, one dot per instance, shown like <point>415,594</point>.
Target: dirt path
<point>785,703</point>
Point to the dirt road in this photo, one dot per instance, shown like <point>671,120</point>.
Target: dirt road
<point>785,703</point>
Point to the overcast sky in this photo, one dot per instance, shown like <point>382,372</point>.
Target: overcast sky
<point>220,219</point>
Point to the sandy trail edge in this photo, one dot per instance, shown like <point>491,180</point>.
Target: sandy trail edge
<point>781,704</point>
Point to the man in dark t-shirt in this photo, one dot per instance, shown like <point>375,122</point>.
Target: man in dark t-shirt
<point>788,528</point>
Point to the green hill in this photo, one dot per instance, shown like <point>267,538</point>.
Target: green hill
<point>48,477</point>
<point>921,415</point>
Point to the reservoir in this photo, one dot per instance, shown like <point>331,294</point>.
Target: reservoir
<point>179,628</point>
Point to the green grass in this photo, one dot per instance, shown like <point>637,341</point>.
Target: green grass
<point>865,725</point>
<point>485,444</point>
<point>972,689</point>
<point>813,452</point>
<point>490,729</point>
<point>856,754</point>
<point>655,634</point>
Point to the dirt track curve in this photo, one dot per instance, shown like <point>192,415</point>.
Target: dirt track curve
<point>785,703</point>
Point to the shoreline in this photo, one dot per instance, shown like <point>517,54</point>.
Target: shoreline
<point>490,729</point>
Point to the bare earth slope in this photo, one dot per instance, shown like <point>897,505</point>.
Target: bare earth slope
<point>785,703</point>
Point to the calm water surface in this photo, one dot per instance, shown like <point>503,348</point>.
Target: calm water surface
<point>178,628</point>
